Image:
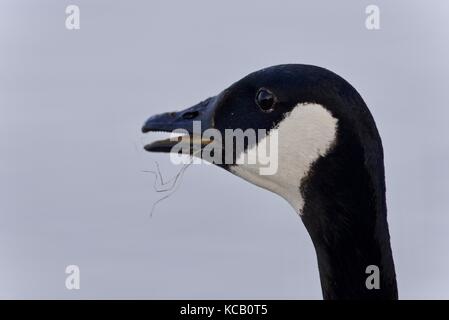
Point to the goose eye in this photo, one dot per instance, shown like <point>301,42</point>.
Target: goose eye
<point>265,100</point>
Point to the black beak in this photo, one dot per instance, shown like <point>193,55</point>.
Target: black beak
<point>171,121</point>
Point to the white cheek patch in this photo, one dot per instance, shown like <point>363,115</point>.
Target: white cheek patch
<point>304,135</point>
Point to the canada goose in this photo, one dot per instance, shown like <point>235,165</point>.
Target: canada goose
<point>330,166</point>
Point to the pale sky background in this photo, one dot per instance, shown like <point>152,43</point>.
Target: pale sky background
<point>72,103</point>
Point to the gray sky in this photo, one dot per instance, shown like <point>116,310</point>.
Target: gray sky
<point>72,190</point>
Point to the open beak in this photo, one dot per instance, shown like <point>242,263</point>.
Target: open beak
<point>202,112</point>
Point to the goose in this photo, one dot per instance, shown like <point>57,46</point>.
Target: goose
<point>330,166</point>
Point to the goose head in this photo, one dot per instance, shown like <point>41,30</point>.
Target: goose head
<point>317,146</point>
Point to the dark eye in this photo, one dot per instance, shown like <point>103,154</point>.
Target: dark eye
<point>265,100</point>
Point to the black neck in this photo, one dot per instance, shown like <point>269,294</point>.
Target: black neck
<point>345,214</point>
